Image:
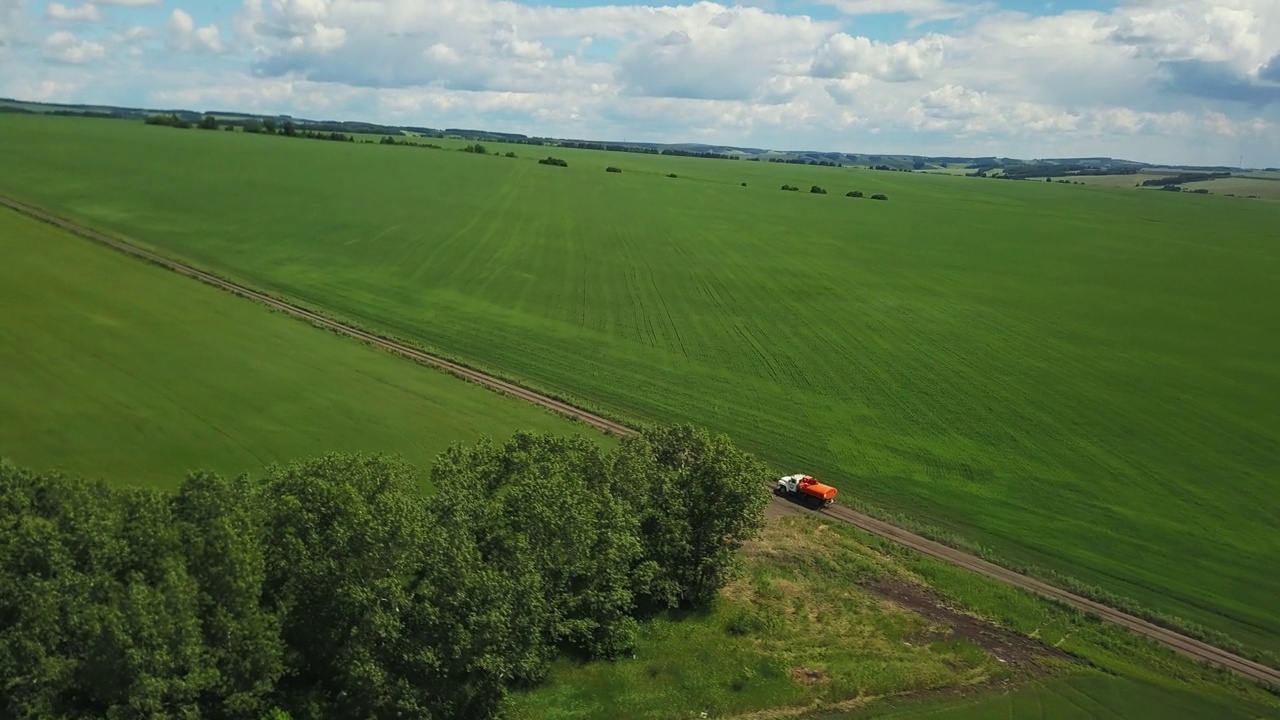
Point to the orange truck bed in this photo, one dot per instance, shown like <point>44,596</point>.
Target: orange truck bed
<point>809,486</point>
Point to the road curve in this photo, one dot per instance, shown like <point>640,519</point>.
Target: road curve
<point>1191,647</point>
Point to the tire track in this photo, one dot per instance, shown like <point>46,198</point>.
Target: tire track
<point>1191,647</point>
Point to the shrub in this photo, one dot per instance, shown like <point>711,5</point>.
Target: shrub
<point>476,148</point>
<point>672,175</point>
<point>879,197</point>
<point>744,184</point>
<point>854,193</point>
<point>510,154</point>
<point>790,188</point>
<point>817,190</point>
<point>612,169</point>
<point>553,161</point>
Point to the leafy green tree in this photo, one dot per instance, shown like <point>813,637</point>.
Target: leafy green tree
<point>220,524</point>
<point>269,126</point>
<point>209,122</point>
<point>697,499</point>
<point>384,612</point>
<point>100,615</point>
<point>542,513</point>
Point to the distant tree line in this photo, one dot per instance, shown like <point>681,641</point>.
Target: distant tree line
<point>1184,178</point>
<point>1052,170</point>
<point>333,588</point>
<point>390,140</point>
<point>167,120</point>
<point>695,154</point>
<point>805,161</point>
<point>608,147</point>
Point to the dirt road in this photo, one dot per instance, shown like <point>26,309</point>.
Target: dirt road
<point>1181,643</point>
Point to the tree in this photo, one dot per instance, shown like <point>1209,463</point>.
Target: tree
<point>288,129</point>
<point>269,126</point>
<point>696,498</point>
<point>879,197</point>
<point>541,511</point>
<point>209,122</point>
<point>854,194</point>
<point>817,190</point>
<point>220,524</point>
<point>343,536</point>
<point>100,615</point>
<point>612,169</point>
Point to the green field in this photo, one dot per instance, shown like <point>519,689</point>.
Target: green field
<point>116,369</point>
<point>1087,696</point>
<point>1079,378</point>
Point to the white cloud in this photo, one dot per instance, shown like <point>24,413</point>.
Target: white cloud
<point>917,9</point>
<point>127,3</point>
<point>12,21</point>
<point>185,36</point>
<point>1194,76</point>
<point>65,47</point>
<point>843,54</point>
<point>81,13</point>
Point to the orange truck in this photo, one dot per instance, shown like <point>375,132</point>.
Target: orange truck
<point>805,488</point>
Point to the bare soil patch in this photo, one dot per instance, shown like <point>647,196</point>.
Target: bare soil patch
<point>1023,655</point>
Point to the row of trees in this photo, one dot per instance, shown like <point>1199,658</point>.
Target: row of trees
<point>332,588</point>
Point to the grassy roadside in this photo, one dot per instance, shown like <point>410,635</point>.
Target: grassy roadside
<point>801,634</point>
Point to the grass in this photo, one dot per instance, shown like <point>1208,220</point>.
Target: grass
<point>1088,696</point>
<point>113,368</point>
<point>785,635</point>
<point>1079,378</point>
<point>799,612</point>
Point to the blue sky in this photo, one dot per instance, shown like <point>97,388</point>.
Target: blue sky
<point>1188,81</point>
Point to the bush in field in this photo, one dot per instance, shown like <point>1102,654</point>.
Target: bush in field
<point>168,120</point>
<point>854,194</point>
<point>879,197</point>
<point>790,188</point>
<point>612,169</point>
<point>817,190</point>
<point>333,588</point>
<point>553,161</point>
<point>672,175</point>
<point>476,148</point>
<point>510,154</point>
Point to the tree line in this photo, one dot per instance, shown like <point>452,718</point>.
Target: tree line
<point>332,587</point>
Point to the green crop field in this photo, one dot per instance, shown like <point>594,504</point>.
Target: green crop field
<point>1088,696</point>
<point>116,369</point>
<point>1079,378</point>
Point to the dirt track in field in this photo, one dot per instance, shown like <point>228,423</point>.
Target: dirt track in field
<point>1188,646</point>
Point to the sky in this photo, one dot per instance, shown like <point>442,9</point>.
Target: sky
<point>1176,81</point>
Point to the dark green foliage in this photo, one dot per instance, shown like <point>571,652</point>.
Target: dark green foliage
<point>612,169</point>
<point>697,498</point>
<point>476,148</point>
<point>879,197</point>
<point>553,161</point>
<point>790,188</point>
<point>334,589</point>
<point>220,525</point>
<point>854,194</point>
<point>169,120</point>
<point>672,175</point>
<point>209,122</point>
<point>510,154</point>
<point>542,514</point>
<point>818,190</point>
<point>98,616</point>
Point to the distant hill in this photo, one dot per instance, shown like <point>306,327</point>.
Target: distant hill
<point>1009,167</point>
